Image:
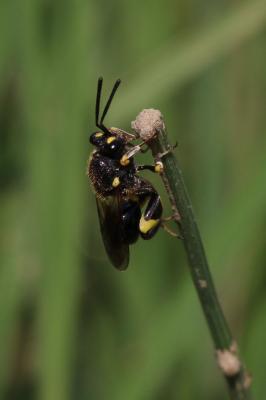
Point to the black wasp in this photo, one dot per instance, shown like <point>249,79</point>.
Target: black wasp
<point>120,192</point>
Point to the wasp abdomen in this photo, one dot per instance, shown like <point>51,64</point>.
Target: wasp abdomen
<point>130,216</point>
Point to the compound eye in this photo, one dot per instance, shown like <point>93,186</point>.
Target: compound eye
<point>116,146</point>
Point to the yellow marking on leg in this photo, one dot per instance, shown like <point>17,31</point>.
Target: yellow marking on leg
<point>110,139</point>
<point>116,182</point>
<point>98,134</point>
<point>124,160</point>
<point>146,226</point>
<point>158,167</point>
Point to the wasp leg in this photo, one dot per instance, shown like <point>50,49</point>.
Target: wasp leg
<point>168,230</point>
<point>169,150</point>
<point>172,233</point>
<point>145,149</point>
<point>157,167</point>
<point>130,221</point>
<point>150,220</point>
<point>142,150</point>
<point>175,217</point>
<point>125,159</point>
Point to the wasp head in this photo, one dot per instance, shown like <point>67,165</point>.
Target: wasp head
<point>108,144</point>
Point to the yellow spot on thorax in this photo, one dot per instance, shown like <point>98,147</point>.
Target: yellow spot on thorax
<point>110,139</point>
<point>116,182</point>
<point>124,160</point>
<point>98,134</point>
<point>146,226</point>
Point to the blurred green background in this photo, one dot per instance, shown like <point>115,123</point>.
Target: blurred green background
<point>71,326</point>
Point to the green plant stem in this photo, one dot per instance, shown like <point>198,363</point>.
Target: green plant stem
<point>226,349</point>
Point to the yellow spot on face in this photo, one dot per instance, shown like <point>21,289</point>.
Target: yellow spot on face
<point>146,226</point>
<point>116,182</point>
<point>98,134</point>
<point>158,167</point>
<point>110,139</point>
<point>124,160</point>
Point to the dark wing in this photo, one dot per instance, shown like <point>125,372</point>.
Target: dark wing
<point>110,223</point>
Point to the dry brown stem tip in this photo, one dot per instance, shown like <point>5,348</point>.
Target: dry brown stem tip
<point>147,123</point>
